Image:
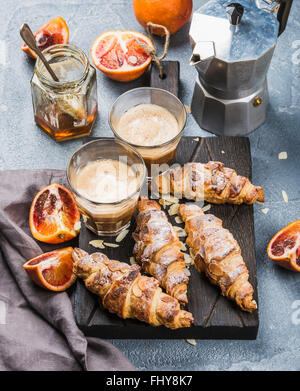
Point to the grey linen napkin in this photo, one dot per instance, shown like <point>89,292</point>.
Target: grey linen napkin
<point>37,327</point>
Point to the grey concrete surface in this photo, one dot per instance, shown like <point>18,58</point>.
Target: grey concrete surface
<point>23,145</point>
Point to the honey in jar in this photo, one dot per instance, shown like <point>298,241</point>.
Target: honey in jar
<point>65,109</point>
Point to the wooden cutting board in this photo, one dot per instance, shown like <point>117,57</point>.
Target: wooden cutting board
<point>215,316</point>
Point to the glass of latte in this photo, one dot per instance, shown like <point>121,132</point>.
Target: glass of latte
<point>152,121</point>
<point>106,177</point>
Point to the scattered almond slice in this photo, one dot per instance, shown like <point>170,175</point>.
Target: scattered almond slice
<point>187,258</point>
<point>282,155</point>
<point>162,203</point>
<point>192,257</point>
<point>180,232</point>
<point>265,210</point>
<point>187,272</point>
<point>173,209</point>
<point>188,109</point>
<point>178,220</point>
<point>113,245</point>
<point>285,196</point>
<point>170,199</point>
<point>84,217</point>
<point>132,261</point>
<point>206,208</point>
<point>191,342</point>
<point>122,235</point>
<point>196,139</point>
<point>97,243</point>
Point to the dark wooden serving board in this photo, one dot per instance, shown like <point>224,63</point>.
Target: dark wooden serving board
<point>215,316</point>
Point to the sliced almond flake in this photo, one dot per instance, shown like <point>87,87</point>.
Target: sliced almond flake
<point>196,139</point>
<point>173,209</point>
<point>114,245</point>
<point>282,155</point>
<point>191,342</point>
<point>192,257</point>
<point>285,196</point>
<point>97,243</point>
<point>170,199</point>
<point>122,235</point>
<point>77,226</point>
<point>187,272</point>
<point>222,151</point>
<point>188,109</point>
<point>178,220</point>
<point>132,261</point>
<point>162,203</point>
<point>187,258</point>
<point>180,232</point>
<point>265,210</point>
<point>206,208</point>
<point>136,291</point>
<point>84,217</point>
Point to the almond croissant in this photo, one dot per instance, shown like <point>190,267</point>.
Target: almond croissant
<point>127,293</point>
<point>157,249</point>
<point>218,254</point>
<point>211,181</point>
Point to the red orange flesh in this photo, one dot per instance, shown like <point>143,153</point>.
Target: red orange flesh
<point>54,217</point>
<point>118,54</point>
<point>284,247</point>
<point>52,270</point>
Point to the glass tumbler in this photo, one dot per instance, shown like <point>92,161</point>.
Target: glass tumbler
<point>155,154</point>
<point>65,109</point>
<point>106,218</point>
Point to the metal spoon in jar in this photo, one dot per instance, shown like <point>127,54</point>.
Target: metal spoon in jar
<point>29,39</point>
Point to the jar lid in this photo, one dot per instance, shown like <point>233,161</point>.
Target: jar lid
<point>240,31</point>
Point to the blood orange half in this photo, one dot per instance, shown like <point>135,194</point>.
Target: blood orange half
<point>54,217</point>
<point>284,247</point>
<point>53,270</point>
<point>119,56</point>
<point>53,32</point>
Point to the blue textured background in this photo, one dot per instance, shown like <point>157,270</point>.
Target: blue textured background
<point>23,145</point>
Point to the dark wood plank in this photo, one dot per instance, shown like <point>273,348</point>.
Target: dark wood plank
<point>215,316</point>
<point>170,80</point>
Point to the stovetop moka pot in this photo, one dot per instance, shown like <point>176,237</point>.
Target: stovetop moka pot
<point>233,44</point>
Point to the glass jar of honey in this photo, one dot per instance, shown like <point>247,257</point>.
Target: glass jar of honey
<point>65,109</point>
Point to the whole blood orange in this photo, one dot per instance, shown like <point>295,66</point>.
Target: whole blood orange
<point>53,32</point>
<point>53,270</point>
<point>54,217</point>
<point>284,248</point>
<point>119,56</point>
<point>173,14</point>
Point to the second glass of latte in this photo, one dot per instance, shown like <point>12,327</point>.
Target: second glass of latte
<point>152,121</point>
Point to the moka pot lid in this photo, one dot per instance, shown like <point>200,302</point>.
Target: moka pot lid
<point>236,31</point>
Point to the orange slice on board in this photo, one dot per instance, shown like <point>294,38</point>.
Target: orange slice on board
<point>52,33</point>
<point>284,248</point>
<point>119,56</point>
<point>53,270</point>
<point>54,217</point>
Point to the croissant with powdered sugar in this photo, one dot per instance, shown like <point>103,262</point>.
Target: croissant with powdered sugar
<point>127,293</point>
<point>211,181</point>
<point>157,249</point>
<point>218,254</point>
